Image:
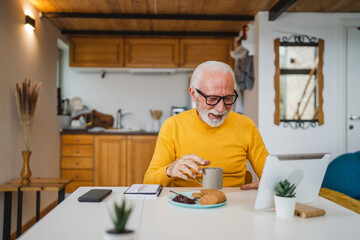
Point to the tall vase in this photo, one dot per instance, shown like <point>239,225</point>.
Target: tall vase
<point>26,172</point>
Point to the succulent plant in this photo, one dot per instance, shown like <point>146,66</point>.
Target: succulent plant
<point>285,189</point>
<point>121,216</point>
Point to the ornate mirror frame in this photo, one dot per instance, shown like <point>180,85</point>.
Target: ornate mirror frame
<point>301,41</point>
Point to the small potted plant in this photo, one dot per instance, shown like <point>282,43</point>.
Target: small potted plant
<point>120,218</point>
<point>285,199</point>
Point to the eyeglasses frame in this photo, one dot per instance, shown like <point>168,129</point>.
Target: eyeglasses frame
<point>220,98</point>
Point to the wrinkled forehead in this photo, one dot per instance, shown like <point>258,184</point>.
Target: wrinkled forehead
<point>211,80</point>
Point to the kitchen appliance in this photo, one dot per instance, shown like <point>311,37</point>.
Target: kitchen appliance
<point>177,110</point>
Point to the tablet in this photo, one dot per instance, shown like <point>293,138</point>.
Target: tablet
<point>95,195</point>
<point>305,170</point>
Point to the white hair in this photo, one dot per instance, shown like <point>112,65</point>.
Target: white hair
<point>215,66</point>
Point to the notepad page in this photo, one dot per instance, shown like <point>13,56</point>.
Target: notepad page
<point>144,188</point>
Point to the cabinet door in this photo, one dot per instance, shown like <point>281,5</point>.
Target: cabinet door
<point>140,151</point>
<point>143,52</point>
<point>110,160</point>
<point>195,51</point>
<point>96,52</point>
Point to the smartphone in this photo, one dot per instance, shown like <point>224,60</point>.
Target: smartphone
<point>95,195</point>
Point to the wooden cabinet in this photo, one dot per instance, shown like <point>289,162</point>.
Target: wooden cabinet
<point>140,149</point>
<point>77,160</point>
<point>148,52</point>
<point>96,52</point>
<point>110,160</point>
<point>151,52</point>
<point>122,160</point>
<point>195,51</point>
<point>105,160</point>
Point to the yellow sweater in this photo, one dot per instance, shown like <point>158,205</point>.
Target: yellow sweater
<point>227,146</point>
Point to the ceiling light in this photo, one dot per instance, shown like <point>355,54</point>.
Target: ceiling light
<point>29,22</point>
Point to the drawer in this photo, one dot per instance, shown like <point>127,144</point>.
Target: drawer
<point>77,150</point>
<point>71,162</point>
<point>78,174</point>
<point>77,139</point>
<point>71,187</point>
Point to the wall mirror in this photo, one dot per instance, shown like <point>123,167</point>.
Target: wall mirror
<point>298,81</point>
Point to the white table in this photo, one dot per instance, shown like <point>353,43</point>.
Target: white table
<point>158,219</point>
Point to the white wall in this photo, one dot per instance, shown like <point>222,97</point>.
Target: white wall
<point>134,93</point>
<point>27,55</point>
<point>286,140</point>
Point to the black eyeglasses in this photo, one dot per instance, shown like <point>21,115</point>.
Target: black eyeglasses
<point>212,100</point>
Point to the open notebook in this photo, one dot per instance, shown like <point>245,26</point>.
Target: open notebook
<point>145,190</point>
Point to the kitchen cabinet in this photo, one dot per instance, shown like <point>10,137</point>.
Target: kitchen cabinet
<point>96,52</point>
<point>105,159</point>
<point>122,160</point>
<point>129,52</point>
<point>150,52</point>
<point>77,160</point>
<point>110,160</point>
<point>194,51</point>
<point>140,149</point>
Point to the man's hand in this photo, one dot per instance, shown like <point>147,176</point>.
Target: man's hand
<point>253,185</point>
<point>181,168</point>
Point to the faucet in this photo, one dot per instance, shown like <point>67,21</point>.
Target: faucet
<point>119,117</point>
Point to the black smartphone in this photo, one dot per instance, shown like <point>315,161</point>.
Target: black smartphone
<point>95,195</point>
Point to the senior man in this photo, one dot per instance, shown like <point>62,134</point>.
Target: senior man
<point>208,135</point>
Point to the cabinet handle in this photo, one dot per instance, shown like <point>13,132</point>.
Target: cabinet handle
<point>77,175</point>
<point>77,139</point>
<point>77,150</point>
<point>77,163</point>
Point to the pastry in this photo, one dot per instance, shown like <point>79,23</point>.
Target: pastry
<point>209,199</point>
<point>196,195</point>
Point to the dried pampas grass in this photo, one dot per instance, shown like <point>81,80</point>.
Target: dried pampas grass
<point>156,114</point>
<point>27,99</point>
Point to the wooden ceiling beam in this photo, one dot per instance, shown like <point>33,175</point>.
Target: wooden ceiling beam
<point>149,33</point>
<point>280,7</point>
<point>148,16</point>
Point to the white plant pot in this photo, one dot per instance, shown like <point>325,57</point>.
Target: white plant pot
<point>285,206</point>
<point>119,236</point>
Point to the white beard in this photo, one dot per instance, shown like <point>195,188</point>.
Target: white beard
<point>205,115</point>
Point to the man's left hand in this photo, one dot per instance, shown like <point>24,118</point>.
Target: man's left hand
<point>253,185</point>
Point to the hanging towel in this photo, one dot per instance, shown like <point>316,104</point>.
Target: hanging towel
<point>244,72</point>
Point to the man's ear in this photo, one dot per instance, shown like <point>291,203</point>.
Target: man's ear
<point>192,94</point>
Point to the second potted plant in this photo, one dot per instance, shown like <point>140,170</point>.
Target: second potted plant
<point>120,218</point>
<point>285,199</point>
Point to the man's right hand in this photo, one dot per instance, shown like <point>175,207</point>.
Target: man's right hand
<point>181,168</point>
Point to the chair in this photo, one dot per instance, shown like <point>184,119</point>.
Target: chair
<point>342,180</point>
<point>248,177</point>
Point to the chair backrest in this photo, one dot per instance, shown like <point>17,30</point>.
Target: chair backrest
<point>248,177</point>
<point>342,175</point>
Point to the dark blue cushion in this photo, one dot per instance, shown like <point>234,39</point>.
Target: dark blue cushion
<point>343,175</point>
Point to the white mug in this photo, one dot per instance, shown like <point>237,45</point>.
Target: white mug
<point>212,178</point>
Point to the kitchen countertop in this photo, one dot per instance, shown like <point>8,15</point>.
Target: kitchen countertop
<point>114,132</point>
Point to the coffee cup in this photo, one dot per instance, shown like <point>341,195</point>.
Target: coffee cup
<point>212,178</point>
